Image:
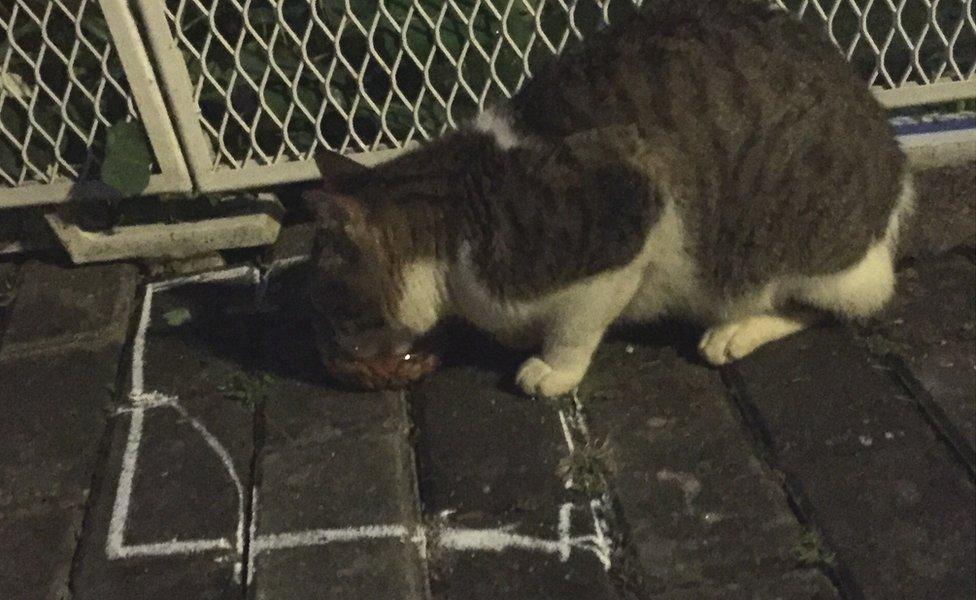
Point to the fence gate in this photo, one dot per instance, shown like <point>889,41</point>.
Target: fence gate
<point>69,69</point>
<point>239,93</point>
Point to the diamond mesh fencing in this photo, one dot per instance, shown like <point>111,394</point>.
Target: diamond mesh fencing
<point>894,44</point>
<point>61,87</point>
<point>273,80</point>
<point>276,78</point>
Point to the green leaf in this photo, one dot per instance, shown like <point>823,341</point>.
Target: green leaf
<point>177,317</point>
<point>127,158</point>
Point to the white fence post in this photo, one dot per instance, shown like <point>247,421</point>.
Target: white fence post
<point>63,181</point>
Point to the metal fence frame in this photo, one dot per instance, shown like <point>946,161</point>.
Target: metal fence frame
<point>186,158</point>
<point>172,174</point>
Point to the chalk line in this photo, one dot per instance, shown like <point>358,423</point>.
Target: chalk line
<point>208,277</point>
<point>319,537</point>
<point>115,543</point>
<point>252,536</point>
<point>284,263</point>
<point>446,538</point>
<point>139,344</point>
<point>571,421</point>
<point>496,540</point>
<point>565,525</point>
<point>228,463</point>
<point>123,491</point>
<point>173,547</point>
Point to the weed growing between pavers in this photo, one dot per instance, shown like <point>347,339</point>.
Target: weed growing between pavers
<point>585,468</point>
<point>248,389</point>
<point>810,550</point>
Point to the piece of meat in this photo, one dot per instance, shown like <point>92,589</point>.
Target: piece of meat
<point>385,373</point>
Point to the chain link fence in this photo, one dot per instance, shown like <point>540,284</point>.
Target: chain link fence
<point>253,87</point>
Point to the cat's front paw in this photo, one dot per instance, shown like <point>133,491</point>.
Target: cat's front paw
<point>537,378</point>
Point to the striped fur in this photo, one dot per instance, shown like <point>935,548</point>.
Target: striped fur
<point>692,161</point>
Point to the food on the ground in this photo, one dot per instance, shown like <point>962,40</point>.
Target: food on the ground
<point>382,373</point>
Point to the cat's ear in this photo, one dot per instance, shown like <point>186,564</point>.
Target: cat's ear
<point>334,166</point>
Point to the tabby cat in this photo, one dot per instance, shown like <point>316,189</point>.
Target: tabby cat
<point>716,161</point>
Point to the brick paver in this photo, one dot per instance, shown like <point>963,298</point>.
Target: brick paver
<point>58,367</point>
<point>699,507</point>
<point>894,505</point>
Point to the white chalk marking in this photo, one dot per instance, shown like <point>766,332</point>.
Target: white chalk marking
<point>284,263</point>
<point>115,547</point>
<point>208,277</point>
<point>252,534</point>
<point>123,492</point>
<point>603,547</point>
<point>565,524</point>
<point>319,537</point>
<point>228,463</point>
<point>494,540</point>
<point>420,540</point>
<point>567,434</point>
<point>174,547</point>
<point>575,421</point>
<point>146,402</point>
<point>139,343</point>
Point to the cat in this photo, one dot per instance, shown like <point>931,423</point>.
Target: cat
<point>715,161</point>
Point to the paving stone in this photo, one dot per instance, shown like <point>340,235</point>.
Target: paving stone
<point>294,241</point>
<point>516,574</point>
<point>8,284</point>
<point>699,506</point>
<point>38,546</point>
<point>890,498</point>
<point>60,307</point>
<point>209,574</point>
<point>191,449</point>
<point>800,585</point>
<point>356,571</point>
<point>206,307</point>
<point>54,416</point>
<point>56,377</point>
<point>945,215</point>
<point>334,461</point>
<point>932,325</point>
<point>43,382</point>
<point>488,458</point>
<point>303,406</point>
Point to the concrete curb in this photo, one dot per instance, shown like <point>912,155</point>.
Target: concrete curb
<point>178,240</point>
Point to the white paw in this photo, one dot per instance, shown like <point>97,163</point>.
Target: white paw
<point>731,341</point>
<point>537,378</point>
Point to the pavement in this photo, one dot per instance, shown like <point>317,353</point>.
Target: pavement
<point>177,438</point>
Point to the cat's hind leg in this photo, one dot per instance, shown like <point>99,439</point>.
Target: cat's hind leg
<point>735,339</point>
<point>856,292</point>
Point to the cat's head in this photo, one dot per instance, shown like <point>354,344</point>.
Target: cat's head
<point>357,286</point>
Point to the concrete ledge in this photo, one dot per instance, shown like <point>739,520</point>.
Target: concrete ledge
<point>157,240</point>
<point>940,149</point>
